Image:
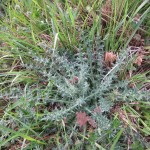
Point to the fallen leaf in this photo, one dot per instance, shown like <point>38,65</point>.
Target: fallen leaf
<point>110,57</point>
<point>82,118</point>
<point>139,60</point>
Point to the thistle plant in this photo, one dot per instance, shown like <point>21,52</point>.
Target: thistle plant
<point>69,85</point>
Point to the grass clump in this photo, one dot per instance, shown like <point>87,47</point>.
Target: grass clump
<point>71,75</point>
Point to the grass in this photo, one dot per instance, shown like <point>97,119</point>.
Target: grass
<point>30,29</point>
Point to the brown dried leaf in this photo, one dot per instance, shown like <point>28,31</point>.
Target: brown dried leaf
<point>139,60</point>
<point>110,57</point>
<point>82,118</point>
